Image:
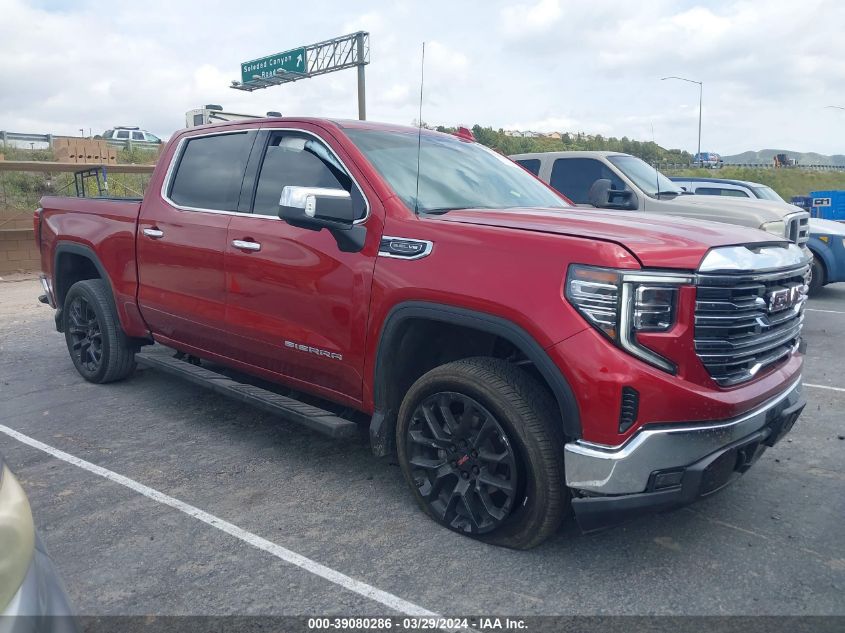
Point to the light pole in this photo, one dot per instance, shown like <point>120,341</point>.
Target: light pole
<point>700,96</point>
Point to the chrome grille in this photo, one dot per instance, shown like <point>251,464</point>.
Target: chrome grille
<point>797,227</point>
<point>740,328</point>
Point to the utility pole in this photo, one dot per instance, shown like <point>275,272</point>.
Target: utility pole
<point>700,98</point>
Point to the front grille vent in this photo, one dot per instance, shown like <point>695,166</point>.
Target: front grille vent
<point>745,322</point>
<point>629,409</point>
<point>797,229</point>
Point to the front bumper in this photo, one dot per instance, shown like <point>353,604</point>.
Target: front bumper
<point>671,465</point>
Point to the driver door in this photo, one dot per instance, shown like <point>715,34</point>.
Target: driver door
<point>296,305</point>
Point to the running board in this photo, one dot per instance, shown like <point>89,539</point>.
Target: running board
<point>314,418</point>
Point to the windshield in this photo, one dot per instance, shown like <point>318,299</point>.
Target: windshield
<point>644,175</point>
<point>767,193</point>
<point>453,174</point>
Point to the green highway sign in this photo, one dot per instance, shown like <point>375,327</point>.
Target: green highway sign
<point>292,60</point>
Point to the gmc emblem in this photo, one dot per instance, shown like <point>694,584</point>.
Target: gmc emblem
<point>784,298</point>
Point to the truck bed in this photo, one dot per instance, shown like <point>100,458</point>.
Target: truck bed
<point>70,227</point>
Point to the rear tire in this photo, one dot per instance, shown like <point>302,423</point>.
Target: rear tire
<point>480,446</point>
<point>817,278</point>
<point>99,349</point>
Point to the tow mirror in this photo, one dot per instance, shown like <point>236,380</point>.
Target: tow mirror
<point>317,208</point>
<point>602,195</point>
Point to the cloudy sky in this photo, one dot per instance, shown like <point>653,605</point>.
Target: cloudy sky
<point>769,67</point>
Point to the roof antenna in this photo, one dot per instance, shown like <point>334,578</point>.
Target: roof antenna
<point>419,133</point>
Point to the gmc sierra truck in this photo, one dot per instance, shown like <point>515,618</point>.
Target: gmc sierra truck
<point>524,359</point>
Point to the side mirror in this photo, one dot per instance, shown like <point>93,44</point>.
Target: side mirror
<point>318,208</point>
<point>603,196</point>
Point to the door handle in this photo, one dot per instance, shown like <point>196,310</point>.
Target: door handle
<point>246,246</point>
<point>154,233</point>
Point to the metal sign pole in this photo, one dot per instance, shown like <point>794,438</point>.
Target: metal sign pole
<point>362,93</point>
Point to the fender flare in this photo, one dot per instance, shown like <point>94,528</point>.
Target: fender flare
<point>384,419</point>
<point>74,248</point>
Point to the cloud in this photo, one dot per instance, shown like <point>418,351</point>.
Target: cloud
<point>768,69</point>
<point>524,20</point>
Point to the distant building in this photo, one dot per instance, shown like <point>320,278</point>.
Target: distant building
<point>554,135</point>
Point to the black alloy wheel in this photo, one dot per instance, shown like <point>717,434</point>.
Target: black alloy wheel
<point>85,334</point>
<point>463,464</point>
<point>98,347</point>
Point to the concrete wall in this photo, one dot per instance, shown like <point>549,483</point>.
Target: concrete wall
<point>18,252</point>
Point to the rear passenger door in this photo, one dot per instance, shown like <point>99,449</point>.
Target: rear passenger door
<point>182,239</point>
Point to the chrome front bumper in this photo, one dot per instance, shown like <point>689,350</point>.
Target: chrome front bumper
<point>627,468</point>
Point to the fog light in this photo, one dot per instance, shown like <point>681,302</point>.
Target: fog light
<point>668,480</point>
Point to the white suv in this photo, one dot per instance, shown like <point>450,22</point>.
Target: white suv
<point>124,133</point>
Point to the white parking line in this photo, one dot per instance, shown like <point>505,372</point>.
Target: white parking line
<point>807,384</point>
<point>361,588</point>
<point>828,311</point>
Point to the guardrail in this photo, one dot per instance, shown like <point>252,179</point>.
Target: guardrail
<point>7,137</point>
<point>750,165</point>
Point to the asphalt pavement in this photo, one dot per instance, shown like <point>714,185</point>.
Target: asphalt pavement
<point>769,544</point>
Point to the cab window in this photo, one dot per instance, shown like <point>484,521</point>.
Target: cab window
<point>210,172</point>
<point>296,159</point>
<point>531,164</point>
<point>719,191</point>
<point>573,177</point>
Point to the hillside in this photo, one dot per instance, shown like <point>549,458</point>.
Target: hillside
<point>803,158</point>
<point>501,142</point>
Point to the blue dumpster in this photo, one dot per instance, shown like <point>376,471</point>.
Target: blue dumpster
<point>829,205</point>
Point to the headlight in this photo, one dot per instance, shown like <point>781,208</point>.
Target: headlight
<point>17,536</point>
<point>777,227</point>
<point>621,303</point>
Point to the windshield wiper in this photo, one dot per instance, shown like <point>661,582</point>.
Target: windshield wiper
<point>442,210</point>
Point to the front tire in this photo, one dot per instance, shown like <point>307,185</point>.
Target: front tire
<point>99,349</point>
<point>480,447</point>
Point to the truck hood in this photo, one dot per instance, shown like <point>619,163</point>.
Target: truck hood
<point>746,211</point>
<point>657,241</point>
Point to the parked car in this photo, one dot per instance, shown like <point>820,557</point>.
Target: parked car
<point>521,357</point>
<point>124,133</point>
<point>825,241</point>
<point>29,583</point>
<point>708,159</point>
<point>610,180</point>
<point>725,187</point>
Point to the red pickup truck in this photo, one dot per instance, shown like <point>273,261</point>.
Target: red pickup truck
<point>524,359</point>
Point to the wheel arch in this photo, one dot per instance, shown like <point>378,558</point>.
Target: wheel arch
<point>387,394</point>
<point>63,280</point>
<point>824,257</point>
